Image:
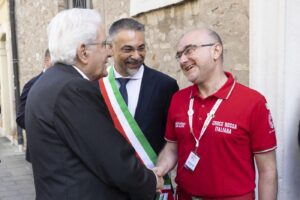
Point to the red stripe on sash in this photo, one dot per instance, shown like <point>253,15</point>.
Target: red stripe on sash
<point>111,110</point>
<point>113,115</point>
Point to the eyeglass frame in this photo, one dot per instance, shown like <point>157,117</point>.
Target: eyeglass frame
<point>191,47</point>
<point>104,43</point>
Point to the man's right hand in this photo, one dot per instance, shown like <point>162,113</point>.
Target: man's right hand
<point>159,181</point>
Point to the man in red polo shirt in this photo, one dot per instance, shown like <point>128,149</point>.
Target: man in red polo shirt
<point>216,129</point>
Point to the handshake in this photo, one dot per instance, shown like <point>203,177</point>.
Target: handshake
<point>159,173</point>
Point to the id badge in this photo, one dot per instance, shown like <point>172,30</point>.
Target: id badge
<point>192,161</point>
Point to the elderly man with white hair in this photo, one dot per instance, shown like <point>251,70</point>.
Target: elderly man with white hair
<point>76,151</point>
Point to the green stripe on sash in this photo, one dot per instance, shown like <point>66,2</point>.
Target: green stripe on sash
<point>131,121</point>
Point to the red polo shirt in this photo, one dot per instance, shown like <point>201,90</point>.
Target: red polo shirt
<point>241,127</point>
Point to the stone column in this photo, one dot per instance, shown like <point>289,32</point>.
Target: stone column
<point>5,91</point>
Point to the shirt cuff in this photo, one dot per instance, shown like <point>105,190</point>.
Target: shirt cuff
<point>266,150</point>
<point>173,141</point>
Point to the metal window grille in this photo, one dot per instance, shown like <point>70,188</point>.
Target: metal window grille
<point>79,4</point>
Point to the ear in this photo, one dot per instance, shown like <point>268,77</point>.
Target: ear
<point>82,54</point>
<point>217,51</point>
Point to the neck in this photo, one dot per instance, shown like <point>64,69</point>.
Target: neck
<point>212,85</point>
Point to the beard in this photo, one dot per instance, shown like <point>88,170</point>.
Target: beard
<point>132,71</point>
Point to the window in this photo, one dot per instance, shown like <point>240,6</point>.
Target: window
<point>79,4</point>
<point>140,6</point>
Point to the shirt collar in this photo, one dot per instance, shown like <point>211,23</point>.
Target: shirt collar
<point>223,93</point>
<point>81,73</point>
<point>137,75</point>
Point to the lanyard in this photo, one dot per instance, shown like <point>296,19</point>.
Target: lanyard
<point>210,115</point>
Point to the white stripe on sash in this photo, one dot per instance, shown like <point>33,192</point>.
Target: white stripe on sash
<point>126,127</point>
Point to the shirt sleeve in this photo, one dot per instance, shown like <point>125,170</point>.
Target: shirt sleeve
<point>262,130</point>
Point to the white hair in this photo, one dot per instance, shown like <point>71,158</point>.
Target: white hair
<point>70,28</point>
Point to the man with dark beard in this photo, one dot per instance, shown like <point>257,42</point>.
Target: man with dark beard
<point>137,96</point>
<point>146,92</point>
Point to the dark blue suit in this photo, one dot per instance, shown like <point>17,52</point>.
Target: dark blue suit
<point>21,107</point>
<point>153,104</point>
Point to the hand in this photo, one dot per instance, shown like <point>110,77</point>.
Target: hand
<point>159,181</point>
<point>159,171</point>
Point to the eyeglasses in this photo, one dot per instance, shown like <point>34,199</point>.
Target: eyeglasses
<point>189,49</point>
<point>103,44</point>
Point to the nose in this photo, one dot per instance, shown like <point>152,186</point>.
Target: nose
<point>183,59</point>
<point>136,54</point>
<point>109,52</point>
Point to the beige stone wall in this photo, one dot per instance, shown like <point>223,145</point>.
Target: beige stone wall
<point>32,18</point>
<point>164,27</point>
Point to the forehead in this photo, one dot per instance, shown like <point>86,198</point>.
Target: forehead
<point>129,37</point>
<point>194,38</point>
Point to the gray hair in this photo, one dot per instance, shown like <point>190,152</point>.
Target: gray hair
<point>214,35</point>
<point>70,28</point>
<point>125,24</point>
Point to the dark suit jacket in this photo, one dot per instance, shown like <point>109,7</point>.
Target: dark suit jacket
<point>21,107</point>
<point>76,152</point>
<point>153,105</point>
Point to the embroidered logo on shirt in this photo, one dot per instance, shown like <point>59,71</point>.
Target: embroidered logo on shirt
<point>224,127</point>
<point>180,124</point>
<point>270,121</point>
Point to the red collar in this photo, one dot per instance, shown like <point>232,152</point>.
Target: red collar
<point>222,93</point>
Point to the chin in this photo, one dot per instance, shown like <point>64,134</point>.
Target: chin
<point>132,72</point>
<point>192,80</point>
<point>103,74</point>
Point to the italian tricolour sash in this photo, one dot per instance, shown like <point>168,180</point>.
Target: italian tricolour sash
<point>128,127</point>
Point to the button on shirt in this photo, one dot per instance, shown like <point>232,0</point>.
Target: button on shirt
<point>133,88</point>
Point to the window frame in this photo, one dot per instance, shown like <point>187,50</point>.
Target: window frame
<point>140,6</point>
<point>69,4</point>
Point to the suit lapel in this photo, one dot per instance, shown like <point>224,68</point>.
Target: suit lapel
<point>147,86</point>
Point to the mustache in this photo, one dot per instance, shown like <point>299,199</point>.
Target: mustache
<point>134,61</point>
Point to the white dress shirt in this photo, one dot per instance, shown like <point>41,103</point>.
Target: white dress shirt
<point>80,72</point>
<point>133,88</point>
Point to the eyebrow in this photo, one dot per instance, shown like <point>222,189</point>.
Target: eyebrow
<point>185,47</point>
<point>129,46</point>
<point>126,46</point>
